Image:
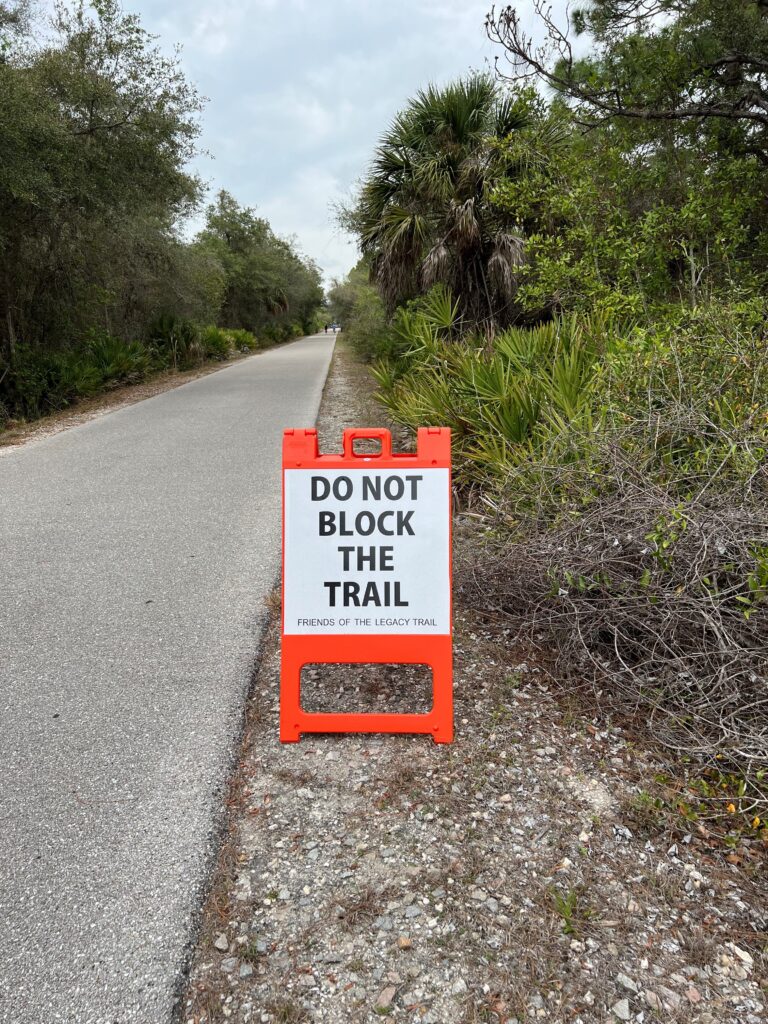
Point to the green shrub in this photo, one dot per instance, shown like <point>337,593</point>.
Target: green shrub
<point>40,382</point>
<point>216,343</point>
<point>366,327</point>
<point>175,341</point>
<point>271,334</point>
<point>622,471</point>
<point>243,341</point>
<point>117,361</point>
<point>683,397</point>
<point>499,402</point>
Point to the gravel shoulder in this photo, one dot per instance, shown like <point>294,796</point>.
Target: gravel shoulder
<point>515,875</point>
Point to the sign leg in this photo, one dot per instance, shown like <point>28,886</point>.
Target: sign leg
<point>443,734</point>
<point>290,695</point>
<point>442,673</point>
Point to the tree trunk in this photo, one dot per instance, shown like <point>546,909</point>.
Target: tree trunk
<point>11,335</point>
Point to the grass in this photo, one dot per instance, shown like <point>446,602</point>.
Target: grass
<point>286,1011</point>
<point>572,909</point>
<point>362,907</point>
<point>251,954</point>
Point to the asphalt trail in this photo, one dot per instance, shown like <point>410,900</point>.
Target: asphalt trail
<point>136,552</point>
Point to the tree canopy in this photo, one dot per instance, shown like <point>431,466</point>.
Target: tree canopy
<point>266,280</point>
<point>660,192</point>
<point>702,64</point>
<point>97,128</point>
<point>641,179</point>
<point>423,215</point>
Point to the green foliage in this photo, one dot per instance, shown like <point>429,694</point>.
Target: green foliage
<point>216,343</point>
<point>40,382</point>
<point>695,65</point>
<point>617,225</point>
<point>499,402</point>
<point>117,361</point>
<point>571,908</point>
<point>622,467</point>
<point>97,127</point>
<point>686,396</point>
<point>663,199</point>
<point>243,340</point>
<point>344,295</point>
<point>606,383</point>
<point>267,283</point>
<point>356,305</point>
<point>423,215</point>
<point>175,341</point>
<point>87,232</point>
<point>523,213</point>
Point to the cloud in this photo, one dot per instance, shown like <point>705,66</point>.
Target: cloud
<point>303,210</point>
<point>300,90</point>
<point>213,33</point>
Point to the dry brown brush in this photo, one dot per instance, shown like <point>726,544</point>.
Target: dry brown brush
<point>653,602</point>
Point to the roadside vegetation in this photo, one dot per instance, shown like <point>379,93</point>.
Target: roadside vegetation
<point>577,287</point>
<point>99,285</point>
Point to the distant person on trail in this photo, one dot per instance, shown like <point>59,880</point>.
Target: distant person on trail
<point>326,328</point>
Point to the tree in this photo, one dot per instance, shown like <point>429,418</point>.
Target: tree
<point>344,294</point>
<point>116,121</point>
<point>266,280</point>
<point>14,21</point>
<point>660,192</point>
<point>423,215</point>
<point>355,303</point>
<point>626,227</point>
<point>700,64</point>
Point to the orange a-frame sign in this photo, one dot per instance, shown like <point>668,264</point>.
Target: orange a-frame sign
<point>367,572</point>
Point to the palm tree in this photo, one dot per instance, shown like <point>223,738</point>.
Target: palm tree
<point>423,214</point>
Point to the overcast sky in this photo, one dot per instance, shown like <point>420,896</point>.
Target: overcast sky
<point>299,90</point>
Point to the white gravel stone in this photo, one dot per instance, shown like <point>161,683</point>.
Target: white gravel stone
<point>621,1010</point>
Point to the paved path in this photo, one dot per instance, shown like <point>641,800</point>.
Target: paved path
<point>136,552</point>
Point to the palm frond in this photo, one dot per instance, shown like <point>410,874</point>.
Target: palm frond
<point>510,116</point>
<point>504,264</point>
<point>436,264</point>
<point>465,229</point>
<point>440,309</point>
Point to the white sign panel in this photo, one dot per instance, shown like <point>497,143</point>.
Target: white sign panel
<point>367,551</point>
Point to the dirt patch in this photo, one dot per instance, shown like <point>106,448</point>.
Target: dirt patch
<point>502,878</point>
<point>348,401</point>
<point>383,689</point>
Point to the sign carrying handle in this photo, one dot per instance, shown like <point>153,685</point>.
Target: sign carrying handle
<point>369,434</point>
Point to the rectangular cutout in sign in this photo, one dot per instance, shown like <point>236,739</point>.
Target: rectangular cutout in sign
<point>366,571</point>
